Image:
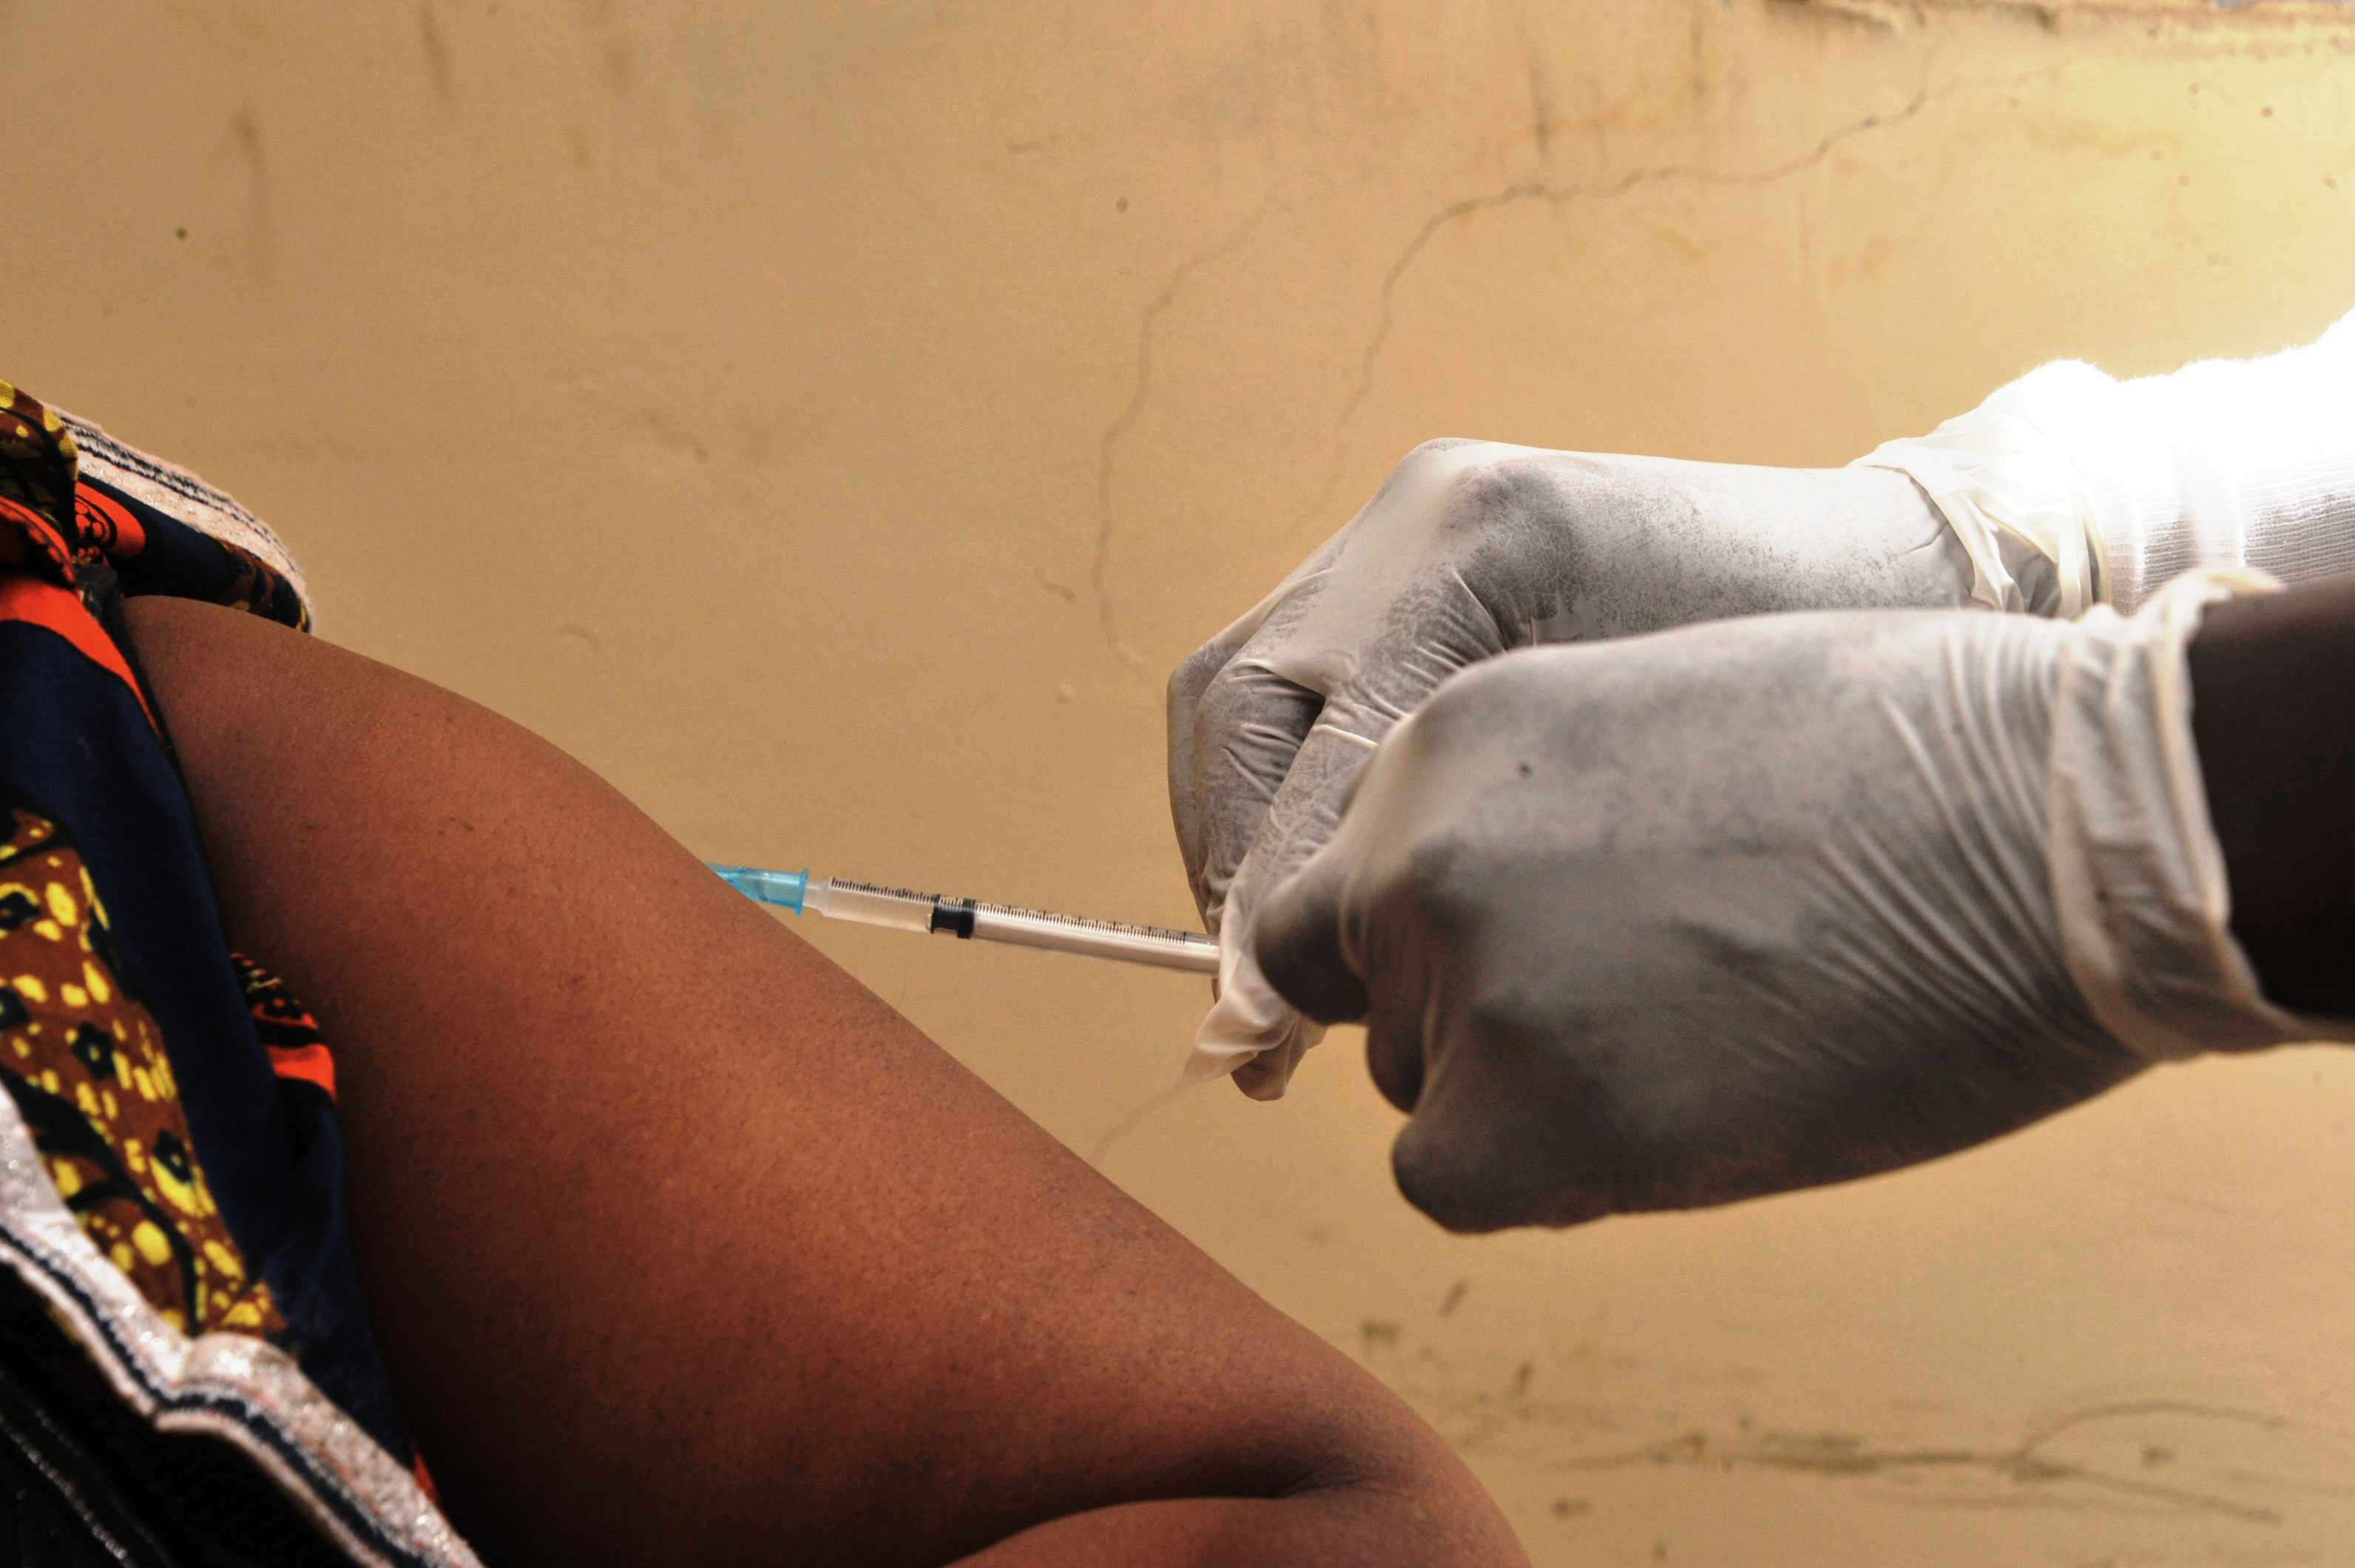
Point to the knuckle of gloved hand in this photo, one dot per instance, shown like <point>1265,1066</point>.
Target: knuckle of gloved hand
<point>1237,692</point>
<point>1394,1047</point>
<point>1474,1175</point>
<point>1510,1017</point>
<point>1222,701</point>
<point>1434,473</point>
<point>1311,977</point>
<point>1432,1175</point>
<point>1250,722</point>
<point>1432,860</point>
<point>1422,460</point>
<point>1495,493</point>
<point>1483,702</point>
<point>1441,888</point>
<point>1192,676</point>
<point>1294,935</point>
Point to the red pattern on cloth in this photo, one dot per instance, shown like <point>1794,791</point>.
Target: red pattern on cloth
<point>289,1033</point>
<point>107,523</point>
<point>43,603</point>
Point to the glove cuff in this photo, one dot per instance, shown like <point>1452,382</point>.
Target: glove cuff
<point>2016,500</point>
<point>2140,892</point>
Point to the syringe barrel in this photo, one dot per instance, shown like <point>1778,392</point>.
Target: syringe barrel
<point>1095,938</point>
<point>904,910</point>
<point>871,905</point>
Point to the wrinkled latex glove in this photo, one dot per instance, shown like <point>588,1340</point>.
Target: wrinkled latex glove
<point>1469,549</point>
<point>1763,904</point>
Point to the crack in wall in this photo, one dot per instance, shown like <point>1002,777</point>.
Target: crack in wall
<point>2160,1454</point>
<point>2022,1464</point>
<point>1511,1423</point>
<point>1148,320</point>
<point>1559,195</point>
<point>1554,195</point>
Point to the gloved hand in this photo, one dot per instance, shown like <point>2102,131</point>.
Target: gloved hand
<point>1756,905</point>
<point>1469,549</point>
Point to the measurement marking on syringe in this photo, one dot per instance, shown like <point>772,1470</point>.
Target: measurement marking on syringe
<point>1086,922</point>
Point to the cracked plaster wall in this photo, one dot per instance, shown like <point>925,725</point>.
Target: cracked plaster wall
<point>831,422</point>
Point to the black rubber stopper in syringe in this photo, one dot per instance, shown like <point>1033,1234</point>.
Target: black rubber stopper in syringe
<point>954,916</point>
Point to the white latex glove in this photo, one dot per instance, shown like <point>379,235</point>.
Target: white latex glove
<point>1762,904</point>
<point>1469,549</point>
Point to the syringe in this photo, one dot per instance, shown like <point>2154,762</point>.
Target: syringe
<point>905,911</point>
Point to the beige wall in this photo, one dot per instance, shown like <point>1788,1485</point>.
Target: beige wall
<point>832,421</point>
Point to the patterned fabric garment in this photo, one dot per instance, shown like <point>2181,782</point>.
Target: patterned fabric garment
<point>184,1266</point>
<point>85,1064</point>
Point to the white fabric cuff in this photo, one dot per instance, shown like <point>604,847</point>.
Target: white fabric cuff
<point>2224,462</point>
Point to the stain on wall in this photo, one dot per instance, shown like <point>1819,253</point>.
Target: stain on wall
<point>832,422</point>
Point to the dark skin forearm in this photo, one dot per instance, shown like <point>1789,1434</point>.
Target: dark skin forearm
<point>2273,681</point>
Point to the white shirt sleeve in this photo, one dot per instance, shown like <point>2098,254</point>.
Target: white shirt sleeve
<point>2122,485</point>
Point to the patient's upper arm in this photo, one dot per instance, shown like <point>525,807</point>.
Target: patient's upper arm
<point>681,1245</point>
